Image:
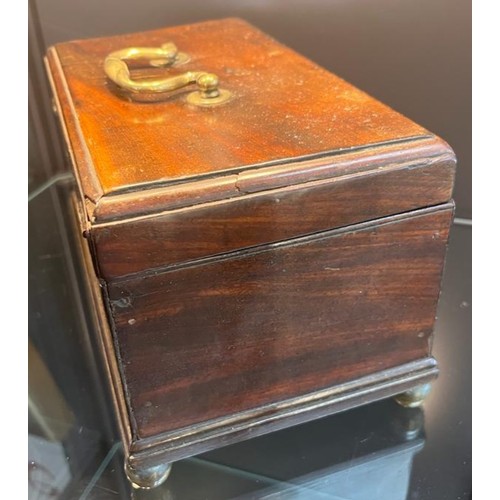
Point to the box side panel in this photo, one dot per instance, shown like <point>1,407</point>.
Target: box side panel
<point>149,243</point>
<point>100,322</point>
<point>224,336</point>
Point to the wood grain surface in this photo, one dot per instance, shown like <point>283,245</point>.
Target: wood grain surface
<point>171,446</point>
<point>176,236</point>
<point>285,107</point>
<point>214,339</point>
<point>263,261</point>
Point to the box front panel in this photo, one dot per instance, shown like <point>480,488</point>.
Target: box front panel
<point>208,229</point>
<point>258,326</point>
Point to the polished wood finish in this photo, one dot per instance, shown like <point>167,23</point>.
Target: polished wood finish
<point>261,263</point>
<point>92,291</point>
<point>341,167</point>
<point>185,234</point>
<point>167,447</point>
<point>171,446</point>
<point>285,107</point>
<point>264,325</point>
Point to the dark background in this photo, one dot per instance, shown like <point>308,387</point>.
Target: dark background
<point>412,55</point>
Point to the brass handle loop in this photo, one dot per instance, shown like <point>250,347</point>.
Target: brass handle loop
<point>117,70</point>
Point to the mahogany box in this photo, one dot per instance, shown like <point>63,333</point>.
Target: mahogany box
<point>264,242</point>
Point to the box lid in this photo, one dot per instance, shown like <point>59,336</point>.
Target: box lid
<point>287,121</point>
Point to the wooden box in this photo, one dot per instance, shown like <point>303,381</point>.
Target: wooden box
<point>265,247</point>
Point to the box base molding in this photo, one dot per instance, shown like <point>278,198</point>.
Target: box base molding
<point>150,452</point>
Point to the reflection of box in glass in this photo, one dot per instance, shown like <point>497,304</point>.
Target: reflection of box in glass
<point>269,242</point>
<point>362,454</point>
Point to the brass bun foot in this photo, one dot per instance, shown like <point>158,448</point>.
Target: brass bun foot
<point>149,478</point>
<point>413,398</point>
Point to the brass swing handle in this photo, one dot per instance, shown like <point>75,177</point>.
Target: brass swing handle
<point>117,70</point>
